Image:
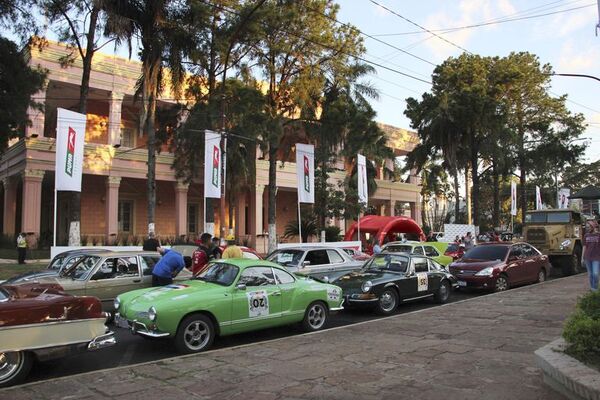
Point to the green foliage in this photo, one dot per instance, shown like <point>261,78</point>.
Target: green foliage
<point>582,330</point>
<point>18,82</point>
<point>332,233</point>
<point>309,227</point>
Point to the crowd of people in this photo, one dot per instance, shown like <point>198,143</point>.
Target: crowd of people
<point>172,263</point>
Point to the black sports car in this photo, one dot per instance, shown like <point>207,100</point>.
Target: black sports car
<point>390,278</point>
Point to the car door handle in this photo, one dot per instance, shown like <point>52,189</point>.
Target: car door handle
<point>276,293</point>
<point>137,280</point>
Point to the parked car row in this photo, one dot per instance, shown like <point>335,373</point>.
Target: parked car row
<point>69,304</point>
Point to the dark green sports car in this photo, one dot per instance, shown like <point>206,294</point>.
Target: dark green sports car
<point>391,278</point>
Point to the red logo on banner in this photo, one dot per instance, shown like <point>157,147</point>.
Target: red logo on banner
<point>215,171</point>
<point>306,175</point>
<point>70,158</point>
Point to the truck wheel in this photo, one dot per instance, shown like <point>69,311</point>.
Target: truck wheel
<point>572,264</point>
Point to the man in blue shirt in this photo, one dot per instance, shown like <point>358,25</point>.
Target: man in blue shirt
<point>171,263</point>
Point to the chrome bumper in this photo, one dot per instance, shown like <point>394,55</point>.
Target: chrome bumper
<point>340,308</point>
<point>102,341</point>
<point>136,326</point>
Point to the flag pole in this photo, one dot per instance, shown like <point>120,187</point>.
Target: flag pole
<point>358,223</point>
<point>299,220</point>
<point>54,233</point>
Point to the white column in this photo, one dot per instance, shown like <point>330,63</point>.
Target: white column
<point>114,118</point>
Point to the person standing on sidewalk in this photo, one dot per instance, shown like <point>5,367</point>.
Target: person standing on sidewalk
<point>21,247</point>
<point>215,251</point>
<point>232,250</point>
<point>201,255</point>
<point>468,241</point>
<point>591,253</point>
<point>170,264</point>
<point>152,243</point>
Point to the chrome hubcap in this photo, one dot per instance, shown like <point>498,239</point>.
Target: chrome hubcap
<point>196,335</point>
<point>387,301</point>
<point>9,364</point>
<point>316,316</point>
<point>444,291</point>
<point>501,284</point>
<point>541,276</point>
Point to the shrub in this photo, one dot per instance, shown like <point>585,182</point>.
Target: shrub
<point>582,330</point>
<point>332,233</point>
<point>83,239</point>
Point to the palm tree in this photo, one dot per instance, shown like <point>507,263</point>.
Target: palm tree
<point>164,28</point>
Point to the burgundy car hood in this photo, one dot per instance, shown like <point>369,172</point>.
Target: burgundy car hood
<point>474,265</point>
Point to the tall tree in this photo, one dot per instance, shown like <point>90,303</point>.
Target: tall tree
<point>18,82</point>
<point>293,47</point>
<point>164,28</point>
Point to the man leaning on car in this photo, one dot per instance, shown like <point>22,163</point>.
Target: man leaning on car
<point>170,264</point>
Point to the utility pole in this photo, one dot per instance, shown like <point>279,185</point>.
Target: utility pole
<point>598,24</point>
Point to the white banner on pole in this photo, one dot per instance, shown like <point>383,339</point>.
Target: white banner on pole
<point>212,165</point>
<point>70,138</point>
<point>538,198</point>
<point>513,198</point>
<point>563,197</point>
<point>363,190</point>
<point>305,171</point>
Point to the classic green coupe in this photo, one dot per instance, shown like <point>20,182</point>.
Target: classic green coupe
<point>230,296</point>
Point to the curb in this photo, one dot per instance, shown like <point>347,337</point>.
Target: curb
<point>567,375</point>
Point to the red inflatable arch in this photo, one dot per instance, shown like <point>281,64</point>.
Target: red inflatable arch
<point>385,229</point>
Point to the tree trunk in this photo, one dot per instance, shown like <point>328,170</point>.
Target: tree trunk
<point>523,175</point>
<point>475,178</point>
<point>467,196</point>
<point>75,198</point>
<point>456,195</point>
<point>272,194</point>
<point>151,76</point>
<point>496,195</point>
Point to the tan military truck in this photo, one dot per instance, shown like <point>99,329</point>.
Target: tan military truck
<point>557,233</point>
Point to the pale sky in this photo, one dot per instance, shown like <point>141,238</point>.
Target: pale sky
<point>565,38</point>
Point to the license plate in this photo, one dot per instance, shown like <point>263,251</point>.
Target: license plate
<point>121,322</point>
<point>462,283</point>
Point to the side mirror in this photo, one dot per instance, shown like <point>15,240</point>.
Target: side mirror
<point>241,286</point>
<point>305,264</point>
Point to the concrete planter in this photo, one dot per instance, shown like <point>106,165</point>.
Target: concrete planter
<point>565,374</point>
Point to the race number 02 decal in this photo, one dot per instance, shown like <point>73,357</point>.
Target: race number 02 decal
<point>258,303</point>
<point>422,282</point>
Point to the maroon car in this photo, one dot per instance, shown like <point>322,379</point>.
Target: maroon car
<point>498,266</point>
<point>41,322</point>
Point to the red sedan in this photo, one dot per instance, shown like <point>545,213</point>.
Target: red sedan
<point>455,250</point>
<point>498,266</point>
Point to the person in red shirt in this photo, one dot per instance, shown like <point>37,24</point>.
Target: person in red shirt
<point>200,257</point>
<point>591,253</point>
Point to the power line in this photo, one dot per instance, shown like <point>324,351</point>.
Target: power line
<point>492,22</point>
<point>419,26</point>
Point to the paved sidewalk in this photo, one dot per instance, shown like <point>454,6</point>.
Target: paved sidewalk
<point>476,349</point>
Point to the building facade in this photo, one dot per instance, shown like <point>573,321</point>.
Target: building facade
<point>113,199</point>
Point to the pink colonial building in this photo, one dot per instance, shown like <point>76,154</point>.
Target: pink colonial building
<point>113,199</point>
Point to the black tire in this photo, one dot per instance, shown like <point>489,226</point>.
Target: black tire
<point>196,333</point>
<point>572,264</point>
<point>316,317</point>
<point>387,302</point>
<point>501,284</point>
<point>14,367</point>
<point>541,275</point>
<point>443,293</point>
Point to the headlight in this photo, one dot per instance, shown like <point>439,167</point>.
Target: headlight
<point>367,286</point>
<point>116,303</point>
<point>565,244</point>
<point>152,314</point>
<point>485,272</point>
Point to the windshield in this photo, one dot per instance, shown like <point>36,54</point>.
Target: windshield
<point>81,268</point>
<point>219,273</point>
<point>391,262</point>
<point>4,295</point>
<point>399,248</point>
<point>452,247</point>
<point>487,253</point>
<point>286,257</point>
<point>56,263</point>
<point>550,218</point>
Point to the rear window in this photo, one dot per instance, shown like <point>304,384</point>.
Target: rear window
<point>488,253</point>
<point>550,218</point>
<point>452,247</point>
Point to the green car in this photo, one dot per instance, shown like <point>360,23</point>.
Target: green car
<point>434,250</point>
<point>230,296</point>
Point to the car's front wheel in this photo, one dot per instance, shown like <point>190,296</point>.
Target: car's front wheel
<point>14,367</point>
<point>541,276</point>
<point>196,333</point>
<point>387,302</point>
<point>501,283</point>
<point>315,317</point>
<point>443,293</point>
